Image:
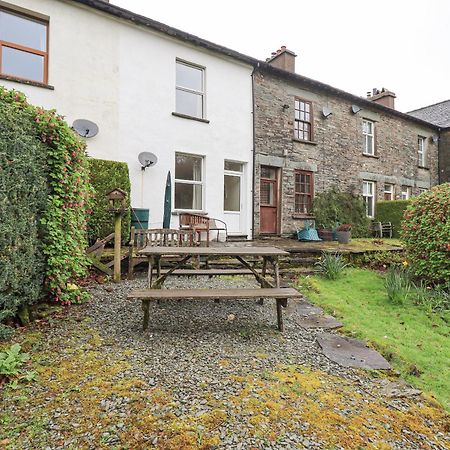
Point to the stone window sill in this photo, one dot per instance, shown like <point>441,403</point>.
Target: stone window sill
<point>303,216</point>
<point>185,116</point>
<point>27,82</point>
<point>304,142</point>
<point>423,167</point>
<point>371,156</point>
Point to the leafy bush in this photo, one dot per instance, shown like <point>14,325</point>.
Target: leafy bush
<point>106,176</point>
<point>426,233</point>
<point>379,260</point>
<point>331,265</point>
<point>23,189</point>
<point>334,206</point>
<point>61,224</point>
<point>391,211</point>
<point>11,362</point>
<point>398,285</point>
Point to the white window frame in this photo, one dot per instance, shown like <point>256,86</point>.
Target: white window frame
<point>199,183</point>
<point>421,151</point>
<point>234,173</point>
<point>422,190</point>
<point>390,191</point>
<point>369,197</point>
<point>368,151</point>
<point>193,91</point>
<point>405,193</point>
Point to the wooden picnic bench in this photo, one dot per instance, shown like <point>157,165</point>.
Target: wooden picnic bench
<point>281,295</point>
<point>269,288</point>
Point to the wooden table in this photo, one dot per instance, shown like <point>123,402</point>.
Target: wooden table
<point>267,254</point>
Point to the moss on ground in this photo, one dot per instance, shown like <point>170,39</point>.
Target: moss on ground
<point>80,374</point>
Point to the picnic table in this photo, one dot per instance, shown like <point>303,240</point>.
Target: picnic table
<point>268,256</point>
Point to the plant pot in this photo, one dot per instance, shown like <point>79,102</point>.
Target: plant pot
<point>326,234</point>
<point>343,237</point>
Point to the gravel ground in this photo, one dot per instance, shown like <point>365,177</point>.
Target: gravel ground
<point>227,376</point>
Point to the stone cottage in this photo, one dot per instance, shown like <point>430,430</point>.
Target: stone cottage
<point>311,137</point>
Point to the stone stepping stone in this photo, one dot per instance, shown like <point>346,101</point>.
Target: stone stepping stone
<point>350,352</point>
<point>319,321</point>
<point>305,309</point>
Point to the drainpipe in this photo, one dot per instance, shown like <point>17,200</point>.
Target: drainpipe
<point>254,151</point>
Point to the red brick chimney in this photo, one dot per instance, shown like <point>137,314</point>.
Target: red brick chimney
<point>384,97</point>
<point>283,59</point>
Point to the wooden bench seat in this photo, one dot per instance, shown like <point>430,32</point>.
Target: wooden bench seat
<point>279,294</point>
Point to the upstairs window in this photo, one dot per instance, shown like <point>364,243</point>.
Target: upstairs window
<point>190,90</point>
<point>368,128</point>
<point>303,123</point>
<point>304,189</point>
<point>188,182</point>
<point>23,47</point>
<point>421,151</point>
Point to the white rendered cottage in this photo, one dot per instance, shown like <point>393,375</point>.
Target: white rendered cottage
<point>148,87</point>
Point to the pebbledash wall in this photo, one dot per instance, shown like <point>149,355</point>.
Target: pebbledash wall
<point>335,155</point>
<point>122,76</point>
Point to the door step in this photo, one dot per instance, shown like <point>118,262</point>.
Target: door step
<point>237,237</point>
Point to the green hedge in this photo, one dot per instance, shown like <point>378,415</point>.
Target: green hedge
<point>106,176</point>
<point>391,211</point>
<point>335,206</point>
<point>23,193</point>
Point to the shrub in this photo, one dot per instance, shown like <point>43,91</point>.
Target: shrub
<point>61,224</point>
<point>426,233</point>
<point>334,206</point>
<point>379,260</point>
<point>398,285</point>
<point>106,176</point>
<point>391,211</point>
<point>23,189</point>
<point>331,265</point>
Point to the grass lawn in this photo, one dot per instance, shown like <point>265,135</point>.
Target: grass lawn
<point>414,341</point>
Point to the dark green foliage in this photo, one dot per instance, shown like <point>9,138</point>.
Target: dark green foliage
<point>426,233</point>
<point>23,190</point>
<point>391,211</point>
<point>106,176</point>
<point>334,206</point>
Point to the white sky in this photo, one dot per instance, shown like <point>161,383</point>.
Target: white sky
<point>354,45</point>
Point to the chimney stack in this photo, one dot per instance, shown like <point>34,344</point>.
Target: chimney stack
<point>283,59</point>
<point>384,97</point>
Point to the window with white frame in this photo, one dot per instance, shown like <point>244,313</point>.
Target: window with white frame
<point>422,190</point>
<point>369,197</point>
<point>190,90</point>
<point>405,193</point>
<point>368,129</point>
<point>421,151</point>
<point>388,193</point>
<point>188,182</point>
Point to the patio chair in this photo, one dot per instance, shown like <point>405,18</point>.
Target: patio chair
<point>202,224</point>
<point>387,229</point>
<point>376,229</point>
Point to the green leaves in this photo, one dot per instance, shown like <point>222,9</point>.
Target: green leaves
<point>11,360</point>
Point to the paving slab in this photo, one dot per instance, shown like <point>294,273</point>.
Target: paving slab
<point>319,321</point>
<point>350,352</point>
<point>305,309</point>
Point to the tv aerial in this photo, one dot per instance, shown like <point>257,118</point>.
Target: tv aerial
<point>85,128</point>
<point>147,159</point>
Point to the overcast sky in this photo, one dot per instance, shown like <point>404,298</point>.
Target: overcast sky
<point>354,45</point>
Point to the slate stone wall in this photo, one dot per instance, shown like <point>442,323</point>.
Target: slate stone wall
<point>335,155</point>
<point>444,157</point>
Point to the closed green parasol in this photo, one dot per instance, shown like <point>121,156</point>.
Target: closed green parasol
<point>167,202</point>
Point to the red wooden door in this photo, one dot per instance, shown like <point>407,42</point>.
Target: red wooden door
<point>269,200</point>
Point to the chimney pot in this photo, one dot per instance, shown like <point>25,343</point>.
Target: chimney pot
<point>283,59</point>
<point>384,97</point>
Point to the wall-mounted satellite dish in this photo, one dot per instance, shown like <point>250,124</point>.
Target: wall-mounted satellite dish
<point>85,128</point>
<point>147,159</point>
<point>326,111</point>
<point>356,109</point>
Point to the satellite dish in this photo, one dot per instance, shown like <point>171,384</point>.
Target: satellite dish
<point>356,109</point>
<point>326,111</point>
<point>85,128</point>
<point>147,159</point>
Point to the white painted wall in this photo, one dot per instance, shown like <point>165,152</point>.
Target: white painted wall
<point>122,77</point>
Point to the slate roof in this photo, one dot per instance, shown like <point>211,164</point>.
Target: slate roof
<point>438,114</point>
<point>106,7</point>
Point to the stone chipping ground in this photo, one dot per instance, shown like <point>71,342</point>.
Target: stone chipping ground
<point>206,375</point>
